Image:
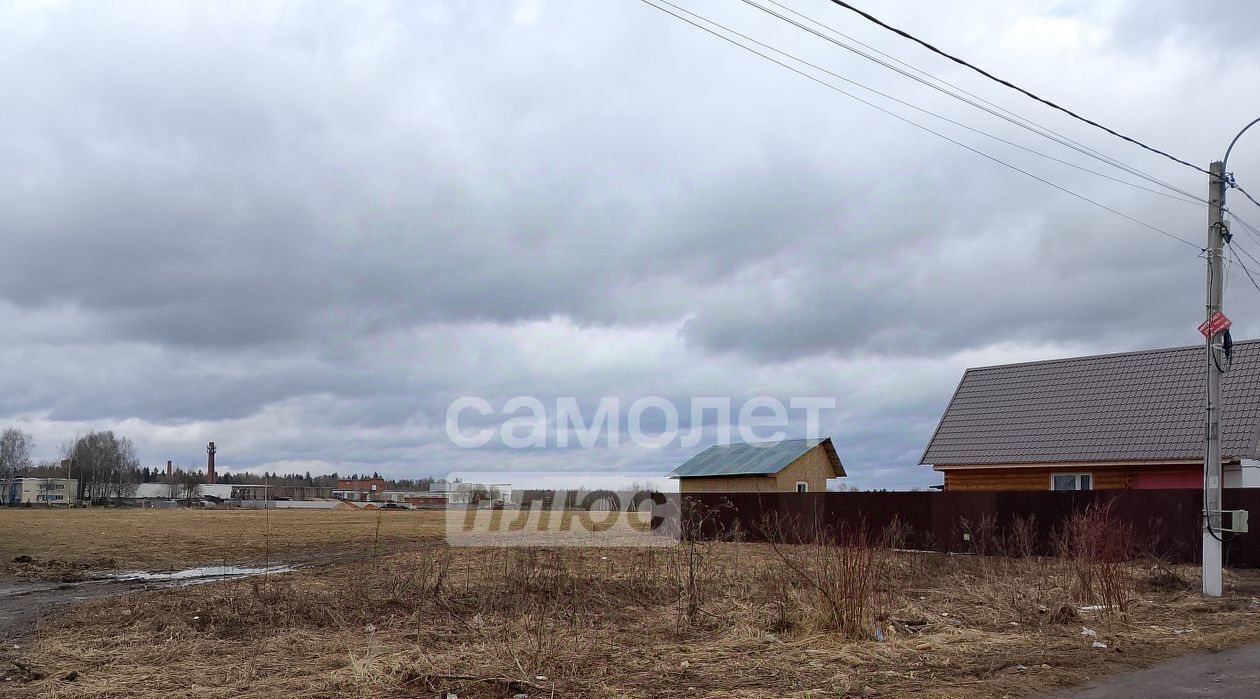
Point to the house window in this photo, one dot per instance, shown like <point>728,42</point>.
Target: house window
<point>802,487</point>
<point>1072,481</point>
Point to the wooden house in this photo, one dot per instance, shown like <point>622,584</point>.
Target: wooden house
<point>789,466</point>
<point>1131,420</point>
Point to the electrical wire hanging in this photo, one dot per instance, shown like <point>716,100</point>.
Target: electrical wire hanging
<point>1229,180</point>
<point>1247,227</point>
<point>1233,246</point>
<point>929,80</point>
<point>871,18</point>
<point>928,112</point>
<point>899,117</point>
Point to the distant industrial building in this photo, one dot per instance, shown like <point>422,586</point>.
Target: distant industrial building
<point>365,491</point>
<point>360,489</point>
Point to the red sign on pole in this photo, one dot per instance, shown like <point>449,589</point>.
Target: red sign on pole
<point>1215,325</point>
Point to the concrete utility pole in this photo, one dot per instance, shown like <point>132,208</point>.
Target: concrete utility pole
<point>1218,360</point>
<point>1212,460</point>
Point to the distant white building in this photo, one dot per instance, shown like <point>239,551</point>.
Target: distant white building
<point>465,493</point>
<point>217,491</point>
<point>158,491</point>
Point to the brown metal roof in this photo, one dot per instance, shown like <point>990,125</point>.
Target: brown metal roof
<point>1136,406</point>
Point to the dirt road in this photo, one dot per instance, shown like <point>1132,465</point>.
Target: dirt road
<point>1231,673</point>
<point>24,603</point>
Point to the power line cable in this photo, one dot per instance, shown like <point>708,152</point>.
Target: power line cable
<point>1242,264</point>
<point>1241,249</point>
<point>1229,179</point>
<point>962,95</point>
<point>1250,229</point>
<point>1237,246</point>
<point>899,117</point>
<point>945,118</point>
<point>871,18</point>
<point>1253,230</point>
<point>1227,269</point>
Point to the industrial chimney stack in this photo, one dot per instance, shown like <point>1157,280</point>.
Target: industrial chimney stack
<point>170,471</point>
<point>210,450</point>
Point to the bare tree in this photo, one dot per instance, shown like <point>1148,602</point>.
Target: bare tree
<point>186,483</point>
<point>15,458</point>
<point>106,465</point>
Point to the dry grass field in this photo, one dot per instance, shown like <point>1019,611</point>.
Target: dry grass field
<point>708,619</point>
<point>63,542</point>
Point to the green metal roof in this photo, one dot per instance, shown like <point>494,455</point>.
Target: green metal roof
<point>753,459</point>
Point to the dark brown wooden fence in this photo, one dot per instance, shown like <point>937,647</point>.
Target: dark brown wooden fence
<point>1165,522</point>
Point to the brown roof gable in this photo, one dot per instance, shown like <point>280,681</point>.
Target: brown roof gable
<point>1136,406</point>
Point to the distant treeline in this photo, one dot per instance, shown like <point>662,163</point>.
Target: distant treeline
<point>107,467</point>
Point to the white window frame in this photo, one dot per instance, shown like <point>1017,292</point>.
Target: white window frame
<point>1077,476</point>
<point>802,483</point>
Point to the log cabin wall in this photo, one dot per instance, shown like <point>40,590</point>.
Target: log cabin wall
<point>1106,477</point>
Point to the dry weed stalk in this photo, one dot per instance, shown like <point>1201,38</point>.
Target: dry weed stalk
<point>701,531</point>
<point>1095,546</point>
<point>982,535</point>
<point>845,568</point>
<point>600,623</point>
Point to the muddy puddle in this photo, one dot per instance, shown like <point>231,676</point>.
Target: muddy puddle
<point>23,603</point>
<point>201,574</point>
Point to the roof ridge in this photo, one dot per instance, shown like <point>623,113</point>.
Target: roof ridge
<point>751,458</point>
<point>1104,355</point>
<point>770,441</point>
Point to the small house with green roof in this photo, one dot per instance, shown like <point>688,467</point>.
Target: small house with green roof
<point>788,466</point>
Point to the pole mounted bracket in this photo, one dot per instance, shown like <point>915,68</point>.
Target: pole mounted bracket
<point>1231,521</point>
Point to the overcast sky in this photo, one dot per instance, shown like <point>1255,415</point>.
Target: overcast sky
<point>301,229</point>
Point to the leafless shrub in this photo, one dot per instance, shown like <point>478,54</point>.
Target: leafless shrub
<point>1064,614</point>
<point>424,575</point>
<point>782,604</point>
<point>842,567</point>
<point>692,565</point>
<point>1095,546</point>
<point>1161,575</point>
<point>1023,543</point>
<point>523,576</point>
<point>983,535</point>
<point>896,534</point>
<point>539,640</point>
<point>1021,537</point>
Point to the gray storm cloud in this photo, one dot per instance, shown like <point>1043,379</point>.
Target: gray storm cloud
<point>301,230</point>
